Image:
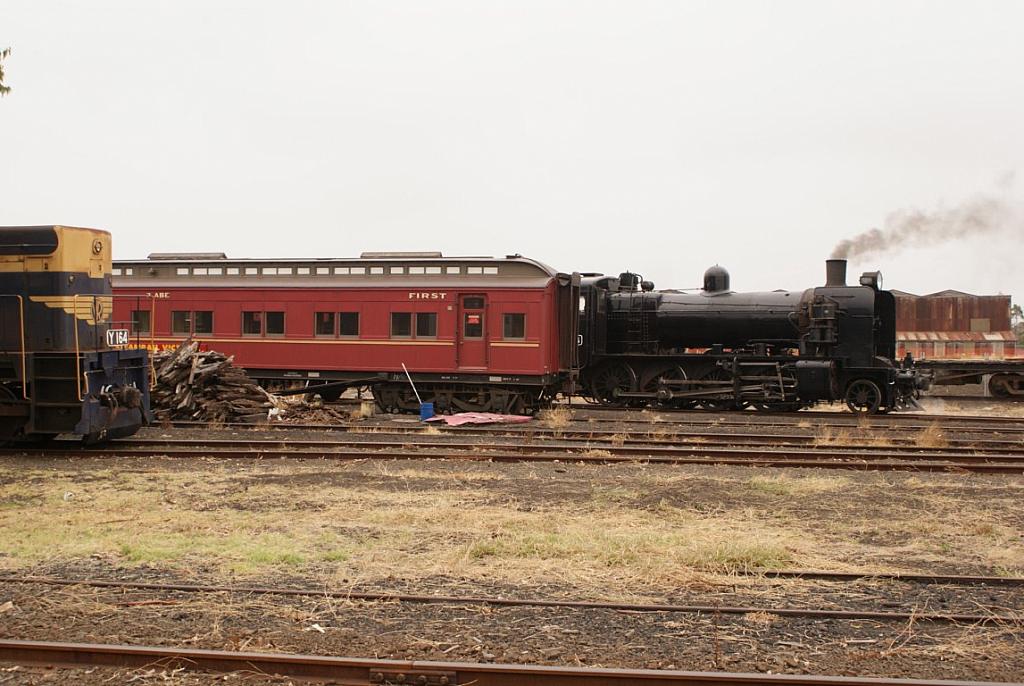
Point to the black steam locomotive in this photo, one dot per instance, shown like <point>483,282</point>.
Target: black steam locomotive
<point>63,367</point>
<point>721,350</point>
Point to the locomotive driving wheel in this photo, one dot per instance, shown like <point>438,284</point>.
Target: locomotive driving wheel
<point>610,380</point>
<point>673,376</point>
<point>721,404</point>
<point>863,396</point>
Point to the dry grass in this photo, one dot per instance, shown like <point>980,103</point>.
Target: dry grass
<point>619,528</point>
<point>801,484</point>
<point>829,436</point>
<point>932,437</point>
<point>617,440</point>
<point>555,418</point>
<point>252,522</point>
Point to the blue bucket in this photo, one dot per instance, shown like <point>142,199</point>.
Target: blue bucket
<point>426,411</point>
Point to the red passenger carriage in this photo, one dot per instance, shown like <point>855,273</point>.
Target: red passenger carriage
<point>476,333</point>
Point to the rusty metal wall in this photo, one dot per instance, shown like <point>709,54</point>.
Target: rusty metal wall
<point>948,311</point>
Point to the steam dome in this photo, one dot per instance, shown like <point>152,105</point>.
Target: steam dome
<point>716,279</point>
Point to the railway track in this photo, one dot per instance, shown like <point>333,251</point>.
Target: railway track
<point>641,434</point>
<point>988,615</point>
<point>653,420</point>
<point>357,671</point>
<point>787,418</point>
<point>887,459</point>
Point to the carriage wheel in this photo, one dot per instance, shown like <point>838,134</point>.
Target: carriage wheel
<point>863,396</point>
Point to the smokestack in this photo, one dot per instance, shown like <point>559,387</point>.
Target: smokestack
<point>835,273</point>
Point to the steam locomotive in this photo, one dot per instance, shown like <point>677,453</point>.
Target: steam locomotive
<point>722,350</point>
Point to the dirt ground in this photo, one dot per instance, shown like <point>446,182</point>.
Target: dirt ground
<point>633,532</point>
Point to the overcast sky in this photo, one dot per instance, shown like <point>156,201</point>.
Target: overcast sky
<point>661,137</point>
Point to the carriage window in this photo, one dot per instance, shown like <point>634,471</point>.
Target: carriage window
<point>514,325</point>
<point>473,303</point>
<point>416,270</point>
<point>452,270</point>
<point>202,322</point>
<point>376,270</point>
<point>323,270</point>
<point>426,325</point>
<point>303,270</point>
<point>358,270</point>
<point>181,271</point>
<point>474,270</point>
<point>232,270</point>
<point>473,324</point>
<point>433,270</point>
<point>140,321</point>
<point>401,324</point>
<point>252,323</point>
<point>324,323</point>
<point>490,270</point>
<point>275,323</point>
<point>348,323</point>
<point>251,270</point>
<point>181,322</point>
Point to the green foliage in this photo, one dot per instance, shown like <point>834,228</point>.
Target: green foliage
<point>1017,322</point>
<point>4,90</point>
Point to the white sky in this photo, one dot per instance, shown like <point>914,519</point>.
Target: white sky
<point>595,136</point>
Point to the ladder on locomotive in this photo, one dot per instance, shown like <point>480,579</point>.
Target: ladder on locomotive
<point>639,336</point>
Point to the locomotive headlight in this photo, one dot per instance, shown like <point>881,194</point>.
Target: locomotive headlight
<point>872,279</point>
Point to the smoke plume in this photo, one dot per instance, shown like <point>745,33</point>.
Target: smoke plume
<point>910,228</point>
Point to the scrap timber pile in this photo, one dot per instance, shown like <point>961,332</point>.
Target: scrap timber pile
<point>206,386</point>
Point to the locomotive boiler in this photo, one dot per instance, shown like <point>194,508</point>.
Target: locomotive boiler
<point>718,349</point>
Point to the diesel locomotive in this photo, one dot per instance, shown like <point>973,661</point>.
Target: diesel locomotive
<point>63,367</point>
<point>722,350</point>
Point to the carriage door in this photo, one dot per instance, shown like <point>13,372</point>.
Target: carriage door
<point>472,331</point>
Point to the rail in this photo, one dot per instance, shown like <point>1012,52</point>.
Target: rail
<point>358,671</point>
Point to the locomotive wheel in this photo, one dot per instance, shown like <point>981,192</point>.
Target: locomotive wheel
<point>676,373</point>
<point>612,378</point>
<point>719,404</point>
<point>863,396</point>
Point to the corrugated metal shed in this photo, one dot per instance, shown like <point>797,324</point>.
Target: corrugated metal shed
<point>952,311</point>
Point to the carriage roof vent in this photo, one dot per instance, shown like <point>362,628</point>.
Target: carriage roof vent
<point>391,255</point>
<point>187,256</point>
